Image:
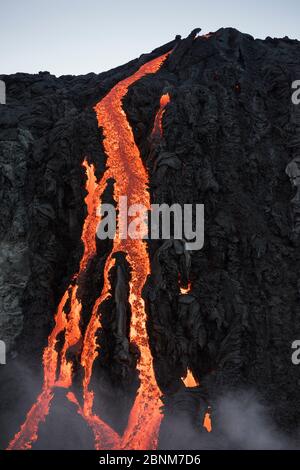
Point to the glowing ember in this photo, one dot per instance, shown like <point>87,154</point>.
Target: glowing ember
<point>185,290</point>
<point>206,36</point>
<point>157,128</point>
<point>207,422</point>
<point>189,380</point>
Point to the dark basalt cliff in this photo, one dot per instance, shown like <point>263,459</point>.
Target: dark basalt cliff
<point>229,132</point>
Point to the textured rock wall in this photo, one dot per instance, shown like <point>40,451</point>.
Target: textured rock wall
<point>229,132</point>
<point>14,259</point>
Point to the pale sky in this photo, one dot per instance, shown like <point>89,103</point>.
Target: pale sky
<point>82,36</point>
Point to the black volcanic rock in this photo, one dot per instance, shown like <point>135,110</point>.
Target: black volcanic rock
<point>229,132</point>
<point>231,125</point>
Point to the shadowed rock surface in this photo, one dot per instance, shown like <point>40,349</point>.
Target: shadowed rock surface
<point>230,133</point>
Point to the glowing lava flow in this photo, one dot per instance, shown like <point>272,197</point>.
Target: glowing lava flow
<point>69,323</point>
<point>206,36</point>
<point>157,128</point>
<point>207,422</point>
<point>125,166</point>
<point>190,381</point>
<point>185,290</point>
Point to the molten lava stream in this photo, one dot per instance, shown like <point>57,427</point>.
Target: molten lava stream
<point>125,166</point>
<point>28,433</point>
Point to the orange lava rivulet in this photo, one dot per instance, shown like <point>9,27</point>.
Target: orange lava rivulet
<point>125,166</point>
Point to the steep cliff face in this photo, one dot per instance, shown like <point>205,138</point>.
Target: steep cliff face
<point>227,135</point>
<point>230,130</point>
